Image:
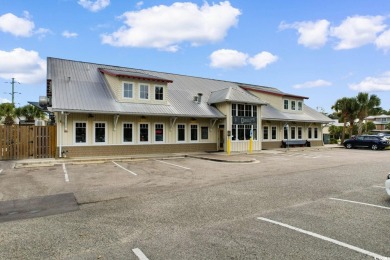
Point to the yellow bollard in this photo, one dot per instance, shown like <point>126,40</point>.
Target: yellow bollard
<point>228,145</point>
<point>250,145</point>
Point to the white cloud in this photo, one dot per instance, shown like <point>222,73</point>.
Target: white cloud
<point>4,100</point>
<point>139,4</point>
<point>25,66</point>
<point>17,26</point>
<point>379,83</point>
<point>68,34</point>
<point>165,27</point>
<point>357,31</point>
<point>383,41</point>
<point>262,60</point>
<point>313,84</point>
<point>94,6</point>
<point>311,34</point>
<point>228,59</point>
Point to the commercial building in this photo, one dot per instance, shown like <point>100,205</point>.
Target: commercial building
<point>110,110</point>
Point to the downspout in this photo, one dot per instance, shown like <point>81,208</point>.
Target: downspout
<point>60,151</point>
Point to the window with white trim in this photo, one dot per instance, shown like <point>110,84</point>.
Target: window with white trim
<point>127,132</point>
<point>300,106</point>
<point>181,132</point>
<point>159,133</point>
<point>100,132</point>
<point>144,132</point>
<point>128,90</point>
<point>315,133</point>
<point>80,130</point>
<point>285,132</point>
<point>265,132</point>
<point>299,132</point>
<point>273,133</point>
<point>204,135</point>
<point>285,106</point>
<point>194,133</point>
<point>309,133</point>
<point>158,92</point>
<point>144,91</point>
<point>292,134</point>
<point>292,104</point>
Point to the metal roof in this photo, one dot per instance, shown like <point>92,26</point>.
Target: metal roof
<point>307,115</point>
<point>134,75</point>
<point>81,87</point>
<point>236,95</point>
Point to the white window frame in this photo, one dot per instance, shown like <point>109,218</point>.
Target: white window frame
<point>301,128</point>
<point>300,106</point>
<point>105,132</point>
<point>286,102</point>
<point>74,132</point>
<point>197,133</point>
<point>132,132</point>
<point>295,133</point>
<point>293,105</point>
<point>310,133</point>
<point>132,89</point>
<point>140,91</point>
<point>204,126</point>
<point>139,133</point>
<point>276,132</point>
<point>316,131</point>
<point>265,126</point>
<point>163,94</point>
<point>154,133</point>
<point>177,133</point>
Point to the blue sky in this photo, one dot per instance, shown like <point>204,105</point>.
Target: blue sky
<point>324,50</point>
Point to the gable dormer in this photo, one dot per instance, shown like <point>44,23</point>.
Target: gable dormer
<point>137,87</point>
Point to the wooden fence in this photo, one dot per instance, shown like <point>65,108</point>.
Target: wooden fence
<point>27,142</point>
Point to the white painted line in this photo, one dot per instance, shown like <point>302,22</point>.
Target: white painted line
<point>361,203</point>
<point>124,168</point>
<point>139,254</point>
<point>1,170</point>
<point>174,165</point>
<point>380,187</point>
<point>65,172</point>
<point>334,241</point>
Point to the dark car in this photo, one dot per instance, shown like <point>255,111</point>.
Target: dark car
<point>367,141</point>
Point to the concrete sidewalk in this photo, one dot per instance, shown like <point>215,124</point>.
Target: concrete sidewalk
<point>234,157</point>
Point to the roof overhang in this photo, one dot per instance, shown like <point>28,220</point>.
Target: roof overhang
<point>273,93</point>
<point>134,75</point>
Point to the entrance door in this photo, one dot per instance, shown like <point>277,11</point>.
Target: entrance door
<point>221,139</point>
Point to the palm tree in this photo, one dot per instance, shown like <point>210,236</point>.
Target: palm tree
<point>30,113</point>
<point>346,108</point>
<point>367,105</point>
<point>7,110</point>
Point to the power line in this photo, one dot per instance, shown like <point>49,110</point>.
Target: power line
<point>13,92</point>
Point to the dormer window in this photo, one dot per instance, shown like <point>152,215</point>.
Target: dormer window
<point>300,105</point>
<point>144,91</point>
<point>159,93</point>
<point>128,90</point>
<point>285,104</point>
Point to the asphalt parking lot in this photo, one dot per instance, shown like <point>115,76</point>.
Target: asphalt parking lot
<point>300,204</point>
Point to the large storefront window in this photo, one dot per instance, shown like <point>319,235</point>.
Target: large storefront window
<point>127,132</point>
<point>81,132</point>
<point>100,132</point>
<point>244,122</point>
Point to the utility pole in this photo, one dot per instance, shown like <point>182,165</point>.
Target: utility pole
<point>13,90</point>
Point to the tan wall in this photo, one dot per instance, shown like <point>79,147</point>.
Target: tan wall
<point>124,150</point>
<point>275,101</point>
<point>114,136</point>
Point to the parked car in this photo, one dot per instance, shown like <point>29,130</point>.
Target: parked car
<point>387,184</point>
<point>374,142</point>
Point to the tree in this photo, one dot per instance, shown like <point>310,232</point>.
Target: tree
<point>346,109</point>
<point>7,110</point>
<point>30,113</point>
<point>369,126</point>
<point>368,105</point>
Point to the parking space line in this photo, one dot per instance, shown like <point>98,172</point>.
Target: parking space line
<point>1,170</point>
<point>120,166</point>
<point>380,187</point>
<point>65,172</point>
<point>361,203</point>
<point>174,165</point>
<point>334,241</point>
<point>139,254</point>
